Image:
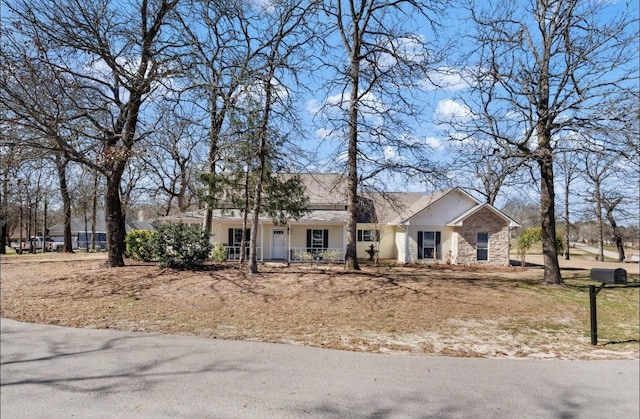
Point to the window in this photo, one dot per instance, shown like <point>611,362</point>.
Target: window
<point>235,236</point>
<point>317,239</point>
<point>429,246</point>
<point>482,246</point>
<point>368,235</point>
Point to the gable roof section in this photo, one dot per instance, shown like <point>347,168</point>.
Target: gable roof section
<point>325,190</point>
<point>459,221</point>
<point>400,207</point>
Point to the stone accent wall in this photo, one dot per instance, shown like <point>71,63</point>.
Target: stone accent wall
<point>481,222</point>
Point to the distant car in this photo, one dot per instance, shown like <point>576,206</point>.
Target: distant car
<point>37,241</point>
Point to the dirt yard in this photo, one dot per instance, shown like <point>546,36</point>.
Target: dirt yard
<point>444,311</point>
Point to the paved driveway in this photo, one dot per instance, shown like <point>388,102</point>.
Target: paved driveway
<point>55,372</point>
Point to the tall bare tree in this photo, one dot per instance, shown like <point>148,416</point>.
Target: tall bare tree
<point>542,67</point>
<point>172,156</point>
<point>114,57</point>
<point>569,164</point>
<point>217,62</point>
<point>385,58</point>
<point>485,170</point>
<point>279,35</point>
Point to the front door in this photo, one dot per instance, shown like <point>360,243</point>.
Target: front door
<point>278,244</point>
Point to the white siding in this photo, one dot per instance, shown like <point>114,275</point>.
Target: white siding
<point>386,247</point>
<point>444,210</point>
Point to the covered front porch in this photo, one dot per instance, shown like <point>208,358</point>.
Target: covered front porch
<point>289,243</point>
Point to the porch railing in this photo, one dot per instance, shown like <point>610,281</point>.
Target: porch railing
<point>306,254</point>
<point>233,252</point>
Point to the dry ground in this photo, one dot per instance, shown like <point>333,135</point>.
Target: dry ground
<point>445,311</point>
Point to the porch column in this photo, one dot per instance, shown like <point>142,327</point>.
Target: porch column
<point>262,242</point>
<point>344,242</point>
<point>288,249</point>
<point>406,244</point>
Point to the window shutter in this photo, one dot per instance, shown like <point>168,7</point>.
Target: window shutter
<point>247,235</point>
<point>325,238</point>
<point>359,235</point>
<point>437,237</point>
<point>308,238</point>
<point>419,244</point>
<point>230,237</point>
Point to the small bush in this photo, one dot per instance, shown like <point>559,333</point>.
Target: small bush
<point>219,253</point>
<point>139,246</point>
<point>531,236</point>
<point>181,246</point>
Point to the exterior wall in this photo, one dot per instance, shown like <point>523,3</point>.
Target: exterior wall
<point>295,236</point>
<point>386,245</point>
<point>446,243</point>
<point>480,222</point>
<point>442,211</point>
<point>388,249</point>
<point>298,235</point>
<point>220,234</point>
<point>401,245</point>
<point>435,218</point>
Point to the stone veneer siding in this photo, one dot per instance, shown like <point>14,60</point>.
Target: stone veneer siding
<point>481,222</point>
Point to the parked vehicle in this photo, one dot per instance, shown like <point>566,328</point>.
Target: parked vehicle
<point>37,243</point>
<point>84,240</point>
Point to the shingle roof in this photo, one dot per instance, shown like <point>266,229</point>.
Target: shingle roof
<point>396,207</point>
<point>458,221</point>
<point>325,189</point>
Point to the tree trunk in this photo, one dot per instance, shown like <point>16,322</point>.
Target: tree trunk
<point>5,211</point>
<point>114,219</point>
<point>61,166</point>
<point>547,204</point>
<point>351,257</point>
<point>253,257</point>
<point>598,199</point>
<point>216,120</point>
<point>94,211</point>
<point>567,255</point>
<point>245,216</point>
<point>617,236</point>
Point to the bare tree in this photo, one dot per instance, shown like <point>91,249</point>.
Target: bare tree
<point>171,156</point>
<point>568,162</point>
<point>485,170</point>
<point>543,67</point>
<point>112,58</point>
<point>604,171</point>
<point>273,64</point>
<point>384,63</point>
<point>62,163</point>
<point>217,64</point>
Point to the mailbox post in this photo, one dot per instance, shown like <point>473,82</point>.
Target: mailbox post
<point>605,276</point>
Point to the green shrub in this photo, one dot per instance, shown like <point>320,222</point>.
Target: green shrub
<point>139,246</point>
<point>180,246</point>
<point>531,236</point>
<point>219,253</point>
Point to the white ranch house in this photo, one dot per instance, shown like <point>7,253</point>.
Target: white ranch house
<point>445,227</point>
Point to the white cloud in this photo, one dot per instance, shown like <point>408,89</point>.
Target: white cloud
<point>410,49</point>
<point>434,143</point>
<point>450,111</point>
<point>313,106</point>
<point>448,78</point>
<point>390,154</point>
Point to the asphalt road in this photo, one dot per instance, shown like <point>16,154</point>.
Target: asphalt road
<point>55,372</point>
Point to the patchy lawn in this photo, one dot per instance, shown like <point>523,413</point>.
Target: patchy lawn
<point>470,312</point>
